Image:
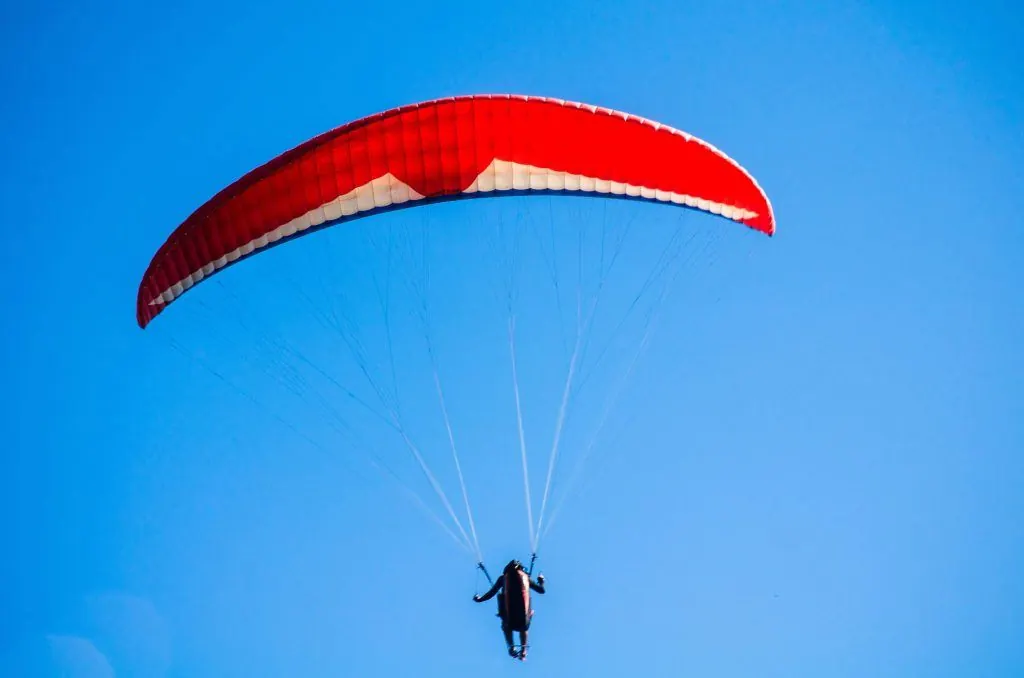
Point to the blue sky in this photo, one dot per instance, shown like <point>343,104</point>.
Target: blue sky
<point>814,470</point>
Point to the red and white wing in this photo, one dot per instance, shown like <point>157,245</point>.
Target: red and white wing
<point>449,149</point>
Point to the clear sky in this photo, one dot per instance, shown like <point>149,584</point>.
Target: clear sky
<point>815,469</point>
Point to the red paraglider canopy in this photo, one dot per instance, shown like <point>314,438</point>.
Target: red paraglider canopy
<point>448,149</point>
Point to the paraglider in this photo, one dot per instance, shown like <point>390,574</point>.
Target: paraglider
<point>458,148</point>
<point>515,607</point>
